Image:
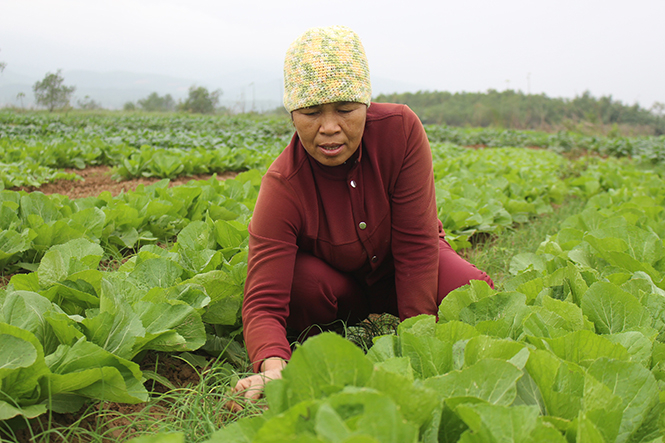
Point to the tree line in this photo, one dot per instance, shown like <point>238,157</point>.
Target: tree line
<point>199,101</point>
<point>514,109</point>
<point>53,94</point>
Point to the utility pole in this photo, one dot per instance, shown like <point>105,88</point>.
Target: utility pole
<point>253,96</point>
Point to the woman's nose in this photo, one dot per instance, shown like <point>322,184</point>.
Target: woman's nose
<point>329,124</point>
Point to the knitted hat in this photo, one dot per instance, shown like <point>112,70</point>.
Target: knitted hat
<point>326,65</point>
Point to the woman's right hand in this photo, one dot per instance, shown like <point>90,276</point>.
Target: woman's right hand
<point>251,388</point>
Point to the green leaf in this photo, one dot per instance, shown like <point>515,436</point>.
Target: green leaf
<point>642,287</point>
<point>156,272</point>
<point>61,261</point>
<point>363,412</point>
<point>527,261</point>
<point>528,393</point>
<point>385,348</point>
<point>636,387</point>
<point>197,235</point>
<point>561,384</point>
<point>82,288</point>
<point>584,429</point>
<point>16,353</point>
<point>294,424</point>
<point>10,410</point>
<point>529,283</point>
<point>330,425</point>
<point>12,244</point>
<point>500,315</point>
<point>226,292</point>
<point>27,310</point>
<point>90,221</point>
<point>570,280</point>
<point>582,347</point>
<point>495,423</point>
<point>241,431</point>
<point>22,370</point>
<point>483,347</point>
<point>230,234</point>
<point>415,402</point>
<point>115,331</point>
<point>490,380</point>
<point>454,331</point>
<point>173,326</point>
<point>460,298</point>
<point>90,371</point>
<point>641,245</point>
<point>614,310</point>
<point>66,328</point>
<point>429,356</point>
<point>38,204</point>
<point>602,407</point>
<point>639,347</point>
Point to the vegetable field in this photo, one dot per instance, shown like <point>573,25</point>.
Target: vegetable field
<point>570,346</point>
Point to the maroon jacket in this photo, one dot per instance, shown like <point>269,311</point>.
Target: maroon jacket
<point>372,216</point>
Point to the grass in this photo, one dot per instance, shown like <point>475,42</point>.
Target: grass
<point>493,253</point>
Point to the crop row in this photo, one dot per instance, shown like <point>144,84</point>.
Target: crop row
<point>645,149</point>
<point>35,163</point>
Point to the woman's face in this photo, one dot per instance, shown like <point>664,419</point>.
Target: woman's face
<point>331,132</point>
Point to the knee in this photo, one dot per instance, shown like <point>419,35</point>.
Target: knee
<point>455,272</point>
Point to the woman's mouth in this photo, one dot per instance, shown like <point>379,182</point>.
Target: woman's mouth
<point>331,148</point>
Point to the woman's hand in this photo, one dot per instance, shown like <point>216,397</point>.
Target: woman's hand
<point>251,387</point>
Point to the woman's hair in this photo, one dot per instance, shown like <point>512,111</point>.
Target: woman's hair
<point>326,65</point>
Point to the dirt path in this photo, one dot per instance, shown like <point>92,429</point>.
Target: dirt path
<point>97,179</point>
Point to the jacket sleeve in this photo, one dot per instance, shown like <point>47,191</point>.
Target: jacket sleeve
<point>415,225</point>
<point>270,265</point>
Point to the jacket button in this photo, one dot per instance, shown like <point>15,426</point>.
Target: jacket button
<point>353,183</point>
<point>362,225</point>
<point>374,259</point>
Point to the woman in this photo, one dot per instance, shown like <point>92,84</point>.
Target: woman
<point>346,220</point>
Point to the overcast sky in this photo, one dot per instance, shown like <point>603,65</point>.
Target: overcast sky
<point>561,48</point>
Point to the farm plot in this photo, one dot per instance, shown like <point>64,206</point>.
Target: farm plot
<point>97,282</point>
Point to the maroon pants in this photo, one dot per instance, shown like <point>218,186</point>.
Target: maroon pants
<point>321,294</point>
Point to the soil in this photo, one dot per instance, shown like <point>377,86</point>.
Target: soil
<point>97,179</point>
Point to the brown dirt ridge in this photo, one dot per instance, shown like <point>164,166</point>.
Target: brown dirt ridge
<point>97,179</point>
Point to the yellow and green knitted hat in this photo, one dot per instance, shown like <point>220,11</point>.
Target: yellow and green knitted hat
<point>326,65</point>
